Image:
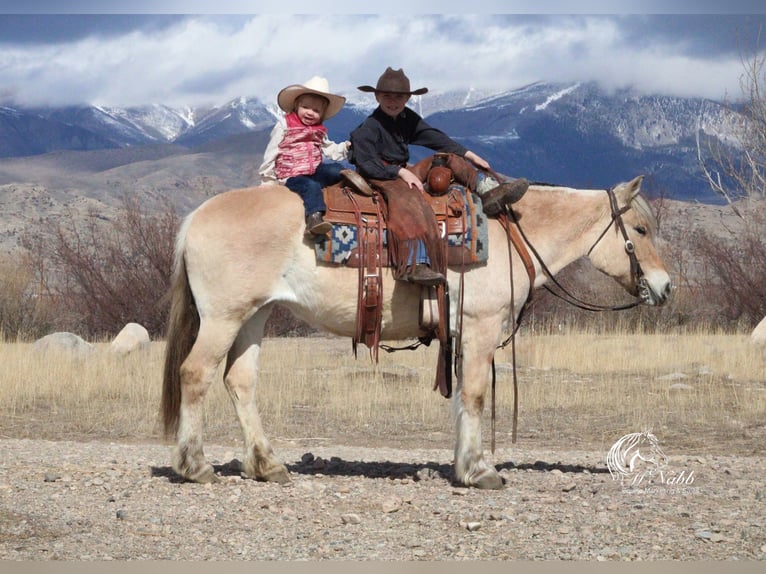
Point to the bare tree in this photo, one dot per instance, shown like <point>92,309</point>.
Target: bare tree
<point>738,168</point>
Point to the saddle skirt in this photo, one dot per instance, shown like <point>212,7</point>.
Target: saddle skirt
<point>458,212</point>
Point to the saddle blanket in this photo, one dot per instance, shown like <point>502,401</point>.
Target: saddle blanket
<point>468,246</point>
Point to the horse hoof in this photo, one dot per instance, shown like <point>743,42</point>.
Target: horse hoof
<point>488,480</point>
<point>278,475</point>
<point>205,476</point>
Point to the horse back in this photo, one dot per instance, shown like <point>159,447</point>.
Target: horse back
<point>264,211</point>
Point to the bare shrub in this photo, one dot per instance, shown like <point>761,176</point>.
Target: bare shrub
<point>24,310</point>
<point>735,270</point>
<point>105,273</point>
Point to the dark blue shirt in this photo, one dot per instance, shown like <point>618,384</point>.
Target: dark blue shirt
<point>380,145</point>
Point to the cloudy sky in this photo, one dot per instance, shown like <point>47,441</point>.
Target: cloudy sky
<point>132,57</point>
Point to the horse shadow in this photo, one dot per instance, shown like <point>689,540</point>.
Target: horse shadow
<point>338,467</point>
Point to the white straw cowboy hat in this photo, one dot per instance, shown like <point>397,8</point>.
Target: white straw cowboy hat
<point>316,85</point>
<point>394,82</point>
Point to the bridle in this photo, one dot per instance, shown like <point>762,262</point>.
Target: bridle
<point>637,273</point>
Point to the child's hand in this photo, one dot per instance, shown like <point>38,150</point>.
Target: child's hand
<point>476,160</point>
<point>410,179</point>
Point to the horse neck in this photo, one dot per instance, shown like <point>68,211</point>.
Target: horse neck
<point>562,223</point>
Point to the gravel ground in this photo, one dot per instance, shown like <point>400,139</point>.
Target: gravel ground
<point>98,501</point>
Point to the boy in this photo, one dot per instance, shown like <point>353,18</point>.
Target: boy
<point>380,151</point>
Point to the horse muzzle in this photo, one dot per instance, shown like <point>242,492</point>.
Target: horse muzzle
<point>650,295</point>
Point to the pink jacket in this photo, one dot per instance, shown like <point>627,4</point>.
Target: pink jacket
<point>329,150</point>
<point>300,151</point>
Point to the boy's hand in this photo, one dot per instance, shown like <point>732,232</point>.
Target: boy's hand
<point>410,179</point>
<point>476,160</point>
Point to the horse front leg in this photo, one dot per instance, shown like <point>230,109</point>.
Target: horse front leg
<point>240,380</point>
<point>471,469</point>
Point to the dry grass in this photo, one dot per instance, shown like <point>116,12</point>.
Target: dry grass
<point>579,390</point>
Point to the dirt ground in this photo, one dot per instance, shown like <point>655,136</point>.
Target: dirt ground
<point>387,500</point>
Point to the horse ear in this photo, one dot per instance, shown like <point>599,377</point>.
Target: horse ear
<point>625,192</point>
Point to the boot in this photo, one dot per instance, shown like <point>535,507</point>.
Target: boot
<point>357,182</point>
<point>316,225</point>
<point>422,274</point>
<point>495,197</point>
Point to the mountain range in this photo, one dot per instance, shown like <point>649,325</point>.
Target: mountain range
<point>87,157</point>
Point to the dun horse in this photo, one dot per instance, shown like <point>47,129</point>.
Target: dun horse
<point>243,252</point>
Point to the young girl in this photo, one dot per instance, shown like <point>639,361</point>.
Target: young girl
<point>298,145</point>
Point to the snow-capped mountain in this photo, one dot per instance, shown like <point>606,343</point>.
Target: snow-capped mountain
<point>576,134</point>
<point>579,135</point>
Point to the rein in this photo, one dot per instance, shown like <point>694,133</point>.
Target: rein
<point>564,294</point>
<point>635,267</point>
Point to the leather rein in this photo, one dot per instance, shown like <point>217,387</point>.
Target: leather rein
<point>513,230</point>
<point>635,266</point>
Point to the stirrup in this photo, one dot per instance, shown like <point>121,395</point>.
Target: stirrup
<point>357,182</point>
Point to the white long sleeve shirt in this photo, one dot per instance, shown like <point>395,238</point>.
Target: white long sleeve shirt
<point>330,150</point>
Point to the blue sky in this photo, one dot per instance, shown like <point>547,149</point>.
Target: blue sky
<point>182,55</point>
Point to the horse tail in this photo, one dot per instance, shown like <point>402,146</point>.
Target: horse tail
<point>182,330</point>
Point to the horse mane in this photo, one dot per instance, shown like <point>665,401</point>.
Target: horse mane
<point>642,207</point>
<point>639,203</point>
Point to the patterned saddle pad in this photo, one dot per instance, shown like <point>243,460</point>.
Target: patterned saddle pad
<point>458,212</point>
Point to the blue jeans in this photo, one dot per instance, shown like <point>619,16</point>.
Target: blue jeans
<point>421,256</point>
<point>309,187</point>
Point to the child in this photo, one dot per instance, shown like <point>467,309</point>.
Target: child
<point>298,144</point>
<point>380,150</point>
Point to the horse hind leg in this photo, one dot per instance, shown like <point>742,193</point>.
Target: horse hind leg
<point>197,374</point>
<point>240,379</point>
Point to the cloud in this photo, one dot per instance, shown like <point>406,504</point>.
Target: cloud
<point>208,59</point>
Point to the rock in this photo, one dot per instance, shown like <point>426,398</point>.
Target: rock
<point>391,504</point>
<point>64,342</point>
<point>427,474</point>
<point>133,337</point>
<point>350,518</point>
<point>307,458</point>
<point>758,336</point>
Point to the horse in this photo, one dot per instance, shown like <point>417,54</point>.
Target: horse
<point>242,252</point>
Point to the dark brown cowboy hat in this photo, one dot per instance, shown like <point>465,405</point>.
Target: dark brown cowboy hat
<point>394,82</point>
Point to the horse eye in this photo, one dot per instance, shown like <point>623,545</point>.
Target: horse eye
<point>640,229</point>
